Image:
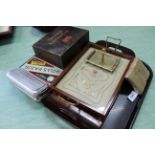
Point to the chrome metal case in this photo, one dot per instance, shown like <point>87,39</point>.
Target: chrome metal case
<point>28,83</point>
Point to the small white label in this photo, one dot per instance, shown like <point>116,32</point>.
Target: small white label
<point>132,96</point>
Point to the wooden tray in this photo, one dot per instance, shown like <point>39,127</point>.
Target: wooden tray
<point>108,117</point>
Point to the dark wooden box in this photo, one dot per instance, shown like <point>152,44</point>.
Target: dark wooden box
<point>61,45</point>
<point>45,29</point>
<point>6,32</point>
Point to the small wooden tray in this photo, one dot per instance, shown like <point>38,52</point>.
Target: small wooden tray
<point>6,30</point>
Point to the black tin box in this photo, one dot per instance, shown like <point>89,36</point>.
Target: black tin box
<point>61,45</point>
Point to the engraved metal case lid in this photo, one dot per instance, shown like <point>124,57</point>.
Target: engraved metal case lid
<point>27,83</point>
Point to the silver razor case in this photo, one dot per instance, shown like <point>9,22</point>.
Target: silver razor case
<point>34,87</point>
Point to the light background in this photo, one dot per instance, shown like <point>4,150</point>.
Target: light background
<point>92,13</point>
<point>19,111</point>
